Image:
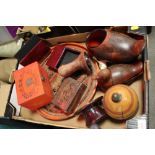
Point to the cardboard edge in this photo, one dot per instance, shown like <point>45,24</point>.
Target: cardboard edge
<point>146,99</point>
<point>69,38</point>
<point>9,97</point>
<point>43,123</point>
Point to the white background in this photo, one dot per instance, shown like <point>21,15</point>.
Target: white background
<point>77,12</point>
<point>77,142</point>
<point>81,12</point>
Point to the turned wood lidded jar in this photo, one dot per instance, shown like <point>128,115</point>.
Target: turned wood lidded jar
<point>120,102</point>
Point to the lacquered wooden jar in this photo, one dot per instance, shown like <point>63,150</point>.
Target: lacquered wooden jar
<point>120,102</point>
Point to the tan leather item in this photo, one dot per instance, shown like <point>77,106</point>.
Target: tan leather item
<point>4,94</point>
<point>11,48</point>
<point>6,68</point>
<point>120,102</point>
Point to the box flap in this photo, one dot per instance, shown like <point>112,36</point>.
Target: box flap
<point>6,68</point>
<point>81,37</point>
<point>4,95</point>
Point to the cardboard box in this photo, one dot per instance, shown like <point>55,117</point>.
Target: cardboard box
<point>140,86</point>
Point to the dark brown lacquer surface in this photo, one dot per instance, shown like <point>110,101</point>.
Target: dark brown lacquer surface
<point>119,74</point>
<point>114,46</point>
<point>93,113</point>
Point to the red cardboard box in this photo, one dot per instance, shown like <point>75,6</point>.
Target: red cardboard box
<point>32,86</point>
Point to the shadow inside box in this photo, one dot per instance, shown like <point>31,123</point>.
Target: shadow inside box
<point>6,123</point>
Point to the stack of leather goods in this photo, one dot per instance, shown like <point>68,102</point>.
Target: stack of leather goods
<point>89,78</point>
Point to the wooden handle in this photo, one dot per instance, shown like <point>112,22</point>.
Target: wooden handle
<point>69,69</point>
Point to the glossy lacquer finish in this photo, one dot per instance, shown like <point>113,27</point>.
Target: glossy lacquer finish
<point>119,74</point>
<point>82,62</point>
<point>114,46</point>
<point>120,102</point>
<point>93,113</point>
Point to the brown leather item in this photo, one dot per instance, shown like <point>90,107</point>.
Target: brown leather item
<point>114,46</point>
<point>119,74</point>
<point>120,102</point>
<point>82,62</point>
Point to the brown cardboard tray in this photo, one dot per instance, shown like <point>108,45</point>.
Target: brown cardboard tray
<point>29,116</point>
